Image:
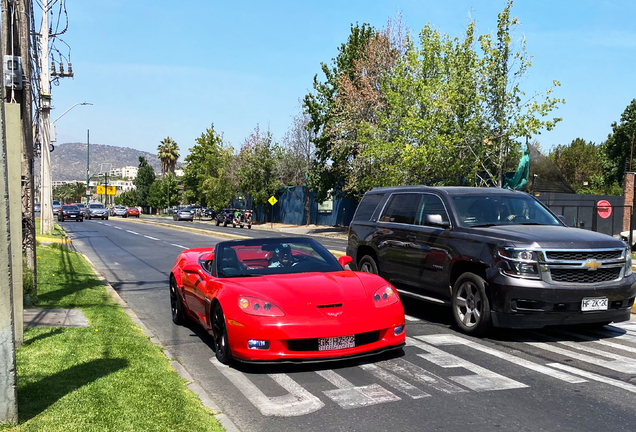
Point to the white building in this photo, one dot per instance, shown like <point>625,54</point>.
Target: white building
<point>129,172</point>
<point>56,183</point>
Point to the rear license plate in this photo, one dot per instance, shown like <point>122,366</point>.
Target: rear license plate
<point>72,216</point>
<point>594,304</point>
<point>336,343</point>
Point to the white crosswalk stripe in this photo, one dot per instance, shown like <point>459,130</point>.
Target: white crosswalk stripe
<point>349,396</point>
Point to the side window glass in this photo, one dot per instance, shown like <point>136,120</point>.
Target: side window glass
<point>401,208</point>
<point>367,207</point>
<point>431,205</point>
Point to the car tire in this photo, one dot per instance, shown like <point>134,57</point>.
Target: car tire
<point>176,306</point>
<point>368,265</point>
<point>233,225</point>
<point>249,227</point>
<point>470,304</point>
<point>218,223</point>
<point>219,330</point>
<point>224,224</point>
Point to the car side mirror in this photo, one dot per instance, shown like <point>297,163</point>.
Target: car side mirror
<point>344,260</point>
<point>436,220</point>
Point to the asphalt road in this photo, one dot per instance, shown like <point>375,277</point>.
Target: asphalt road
<point>559,379</point>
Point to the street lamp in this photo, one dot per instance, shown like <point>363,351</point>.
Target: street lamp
<point>46,213</point>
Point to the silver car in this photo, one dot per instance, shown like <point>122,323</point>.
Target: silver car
<point>120,211</point>
<point>184,214</point>
<point>96,210</point>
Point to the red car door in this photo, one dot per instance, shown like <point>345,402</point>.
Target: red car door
<point>194,283</point>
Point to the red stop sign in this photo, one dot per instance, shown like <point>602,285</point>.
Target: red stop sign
<point>604,209</point>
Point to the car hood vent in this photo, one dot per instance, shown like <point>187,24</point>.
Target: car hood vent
<point>337,305</point>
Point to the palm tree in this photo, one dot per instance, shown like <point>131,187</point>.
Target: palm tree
<point>168,154</point>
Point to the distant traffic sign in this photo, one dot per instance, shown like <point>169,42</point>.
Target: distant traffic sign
<point>604,209</point>
<point>272,200</point>
<point>88,192</point>
<point>111,190</point>
<point>101,190</point>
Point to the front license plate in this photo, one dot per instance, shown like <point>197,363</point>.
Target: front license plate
<point>336,343</point>
<point>594,304</point>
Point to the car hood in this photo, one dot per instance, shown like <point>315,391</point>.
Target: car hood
<point>552,237</point>
<point>302,288</point>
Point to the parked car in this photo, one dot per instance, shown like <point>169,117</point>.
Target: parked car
<point>81,206</point>
<point>69,213</point>
<point>225,217</point>
<point>183,214</point>
<point>497,257</point>
<point>302,306</point>
<point>56,207</point>
<point>36,207</point>
<point>96,210</point>
<point>132,211</point>
<point>119,210</point>
<point>209,213</point>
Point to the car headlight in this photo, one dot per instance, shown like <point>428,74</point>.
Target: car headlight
<point>256,306</point>
<point>384,296</point>
<point>628,262</point>
<point>522,263</point>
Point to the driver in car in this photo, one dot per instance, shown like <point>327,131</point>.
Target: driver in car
<point>282,257</point>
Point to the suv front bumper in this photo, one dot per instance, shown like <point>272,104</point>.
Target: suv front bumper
<point>526,303</point>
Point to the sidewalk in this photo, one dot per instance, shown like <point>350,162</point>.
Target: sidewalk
<point>322,230</point>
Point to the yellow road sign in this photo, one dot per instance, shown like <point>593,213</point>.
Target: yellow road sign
<point>272,200</point>
<point>100,190</point>
<point>111,190</point>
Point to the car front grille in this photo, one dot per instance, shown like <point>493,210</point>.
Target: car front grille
<point>312,344</point>
<point>583,256</point>
<point>585,276</point>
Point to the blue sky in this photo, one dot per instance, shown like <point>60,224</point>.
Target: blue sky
<point>155,68</point>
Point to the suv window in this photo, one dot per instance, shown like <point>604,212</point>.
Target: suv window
<point>401,208</point>
<point>431,205</point>
<point>367,207</point>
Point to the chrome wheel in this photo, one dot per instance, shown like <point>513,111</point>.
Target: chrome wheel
<point>468,304</point>
<point>368,265</point>
<point>471,306</point>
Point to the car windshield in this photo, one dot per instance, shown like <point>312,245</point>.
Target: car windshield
<point>260,257</point>
<point>96,206</point>
<point>56,203</point>
<point>490,210</point>
<point>70,208</point>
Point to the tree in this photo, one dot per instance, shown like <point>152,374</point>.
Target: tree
<point>579,162</point>
<point>617,150</point>
<point>168,154</point>
<point>257,173</point>
<point>145,178</point>
<point>128,199</point>
<point>210,160</point>
<point>323,176</point>
<point>454,115</point>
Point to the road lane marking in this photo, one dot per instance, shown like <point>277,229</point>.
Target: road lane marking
<point>395,382</point>
<point>116,227</point>
<point>296,402</point>
<point>416,373</point>
<point>132,232</point>
<point>616,334</point>
<point>151,238</point>
<point>179,246</point>
<point>599,341</point>
<point>349,396</point>
<point>411,318</point>
<point>482,379</point>
<point>441,340</point>
<point>618,364</point>
<point>595,377</point>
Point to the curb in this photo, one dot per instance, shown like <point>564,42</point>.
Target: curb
<point>205,399</point>
<point>337,254</point>
<point>52,240</point>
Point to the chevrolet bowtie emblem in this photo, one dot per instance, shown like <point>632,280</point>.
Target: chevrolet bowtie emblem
<point>592,265</point>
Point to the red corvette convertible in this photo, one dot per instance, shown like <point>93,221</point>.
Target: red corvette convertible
<point>284,299</point>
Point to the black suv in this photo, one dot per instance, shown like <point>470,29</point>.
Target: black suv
<point>225,217</point>
<point>498,257</point>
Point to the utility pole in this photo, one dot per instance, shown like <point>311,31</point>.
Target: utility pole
<point>8,390</point>
<point>46,206</point>
<point>88,148</point>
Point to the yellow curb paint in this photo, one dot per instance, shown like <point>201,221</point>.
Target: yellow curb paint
<point>52,240</point>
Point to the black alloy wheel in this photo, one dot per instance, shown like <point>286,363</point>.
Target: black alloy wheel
<point>219,329</point>
<point>178,314</point>
<point>471,307</point>
<point>368,265</point>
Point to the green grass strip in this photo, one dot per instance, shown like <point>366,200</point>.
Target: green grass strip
<point>108,377</point>
<point>57,234</point>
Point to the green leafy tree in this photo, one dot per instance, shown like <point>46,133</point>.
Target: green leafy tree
<point>578,162</point>
<point>210,160</point>
<point>257,173</point>
<point>157,196</point>
<point>145,178</point>
<point>128,199</point>
<point>617,150</point>
<point>324,175</point>
<point>168,154</point>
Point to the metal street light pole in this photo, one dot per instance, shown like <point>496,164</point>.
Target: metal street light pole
<point>79,103</point>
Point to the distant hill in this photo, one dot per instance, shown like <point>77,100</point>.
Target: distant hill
<point>68,161</point>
